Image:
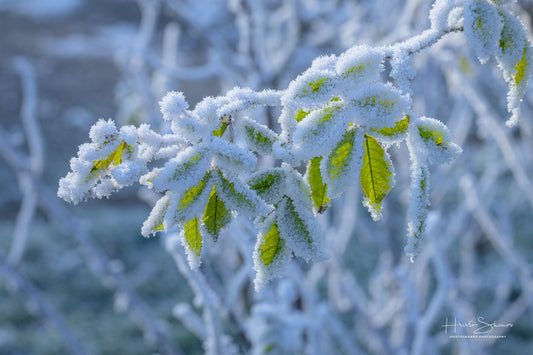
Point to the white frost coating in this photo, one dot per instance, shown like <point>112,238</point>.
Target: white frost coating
<point>112,161</point>
<point>402,71</point>
<point>439,14</point>
<point>189,128</point>
<point>239,197</point>
<point>359,64</point>
<point>246,126</point>
<point>482,27</point>
<point>239,99</point>
<point>319,131</point>
<point>379,105</point>
<point>127,173</point>
<point>513,41</point>
<point>154,222</point>
<point>297,188</point>
<point>455,17</point>
<point>172,105</point>
<point>180,213</point>
<point>299,227</point>
<point>103,132</point>
<point>502,2</point>
<point>276,189</point>
<point>432,140</point>
<point>231,157</point>
<point>180,173</point>
<point>194,260</point>
<point>278,266</point>
<point>514,58</point>
<point>313,88</point>
<point>418,202</point>
<point>339,179</point>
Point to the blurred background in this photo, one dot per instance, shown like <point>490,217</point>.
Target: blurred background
<point>83,280</point>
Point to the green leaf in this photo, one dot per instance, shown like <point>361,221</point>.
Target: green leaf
<point>222,128</point>
<point>376,173</point>
<point>313,86</point>
<point>271,245</point>
<point>268,184</point>
<point>193,193</point>
<point>216,215</point>
<point>156,220</point>
<point>185,167</point>
<point>260,137</point>
<point>301,114</point>
<point>340,155</point>
<point>521,70</point>
<point>319,190</point>
<point>238,196</point>
<point>292,222</point>
<point>193,236</point>
<point>114,158</point>
<point>399,128</point>
<point>432,134</point>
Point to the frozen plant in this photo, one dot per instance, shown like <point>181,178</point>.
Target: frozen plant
<point>337,121</point>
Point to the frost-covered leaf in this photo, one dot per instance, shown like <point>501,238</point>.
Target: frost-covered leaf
<point>193,242</point>
<point>482,26</point>
<point>418,206</point>
<point>216,215</point>
<point>154,222</point>
<point>232,157</point>
<point>239,197</point>
<point>379,106</point>
<point>319,131</point>
<point>397,131</point>
<point>219,132</point>
<point>514,58</point>
<point>314,87</point>
<point>259,137</point>
<point>270,246</point>
<point>181,173</point>
<point>271,255</point>
<point>184,207</point>
<point>377,176</point>
<point>341,166</point>
<point>114,158</point>
<point>436,141</point>
<point>269,184</point>
<point>299,227</point>
<point>319,190</point>
<point>360,63</point>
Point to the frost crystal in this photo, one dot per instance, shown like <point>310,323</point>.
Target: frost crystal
<point>482,26</point>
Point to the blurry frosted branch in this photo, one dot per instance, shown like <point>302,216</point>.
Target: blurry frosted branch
<point>36,159</point>
<point>501,244</point>
<point>38,302</point>
<point>214,340</point>
<point>153,328</point>
<point>501,137</point>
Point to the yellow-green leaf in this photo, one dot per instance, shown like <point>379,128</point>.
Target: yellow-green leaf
<point>431,134</point>
<point>222,128</point>
<point>399,128</point>
<point>340,155</point>
<point>270,246</point>
<point>376,173</point>
<point>193,236</point>
<point>216,215</point>
<point>318,188</point>
<point>192,194</point>
<point>114,158</point>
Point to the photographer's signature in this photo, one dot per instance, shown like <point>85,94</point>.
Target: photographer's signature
<point>480,326</point>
